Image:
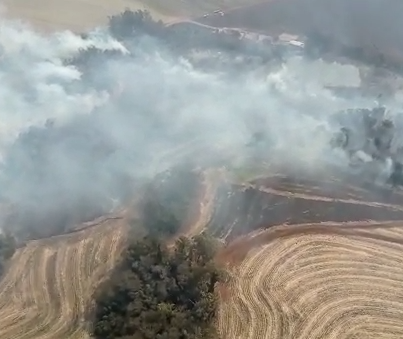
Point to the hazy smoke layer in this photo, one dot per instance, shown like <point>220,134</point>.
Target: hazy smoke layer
<point>69,140</point>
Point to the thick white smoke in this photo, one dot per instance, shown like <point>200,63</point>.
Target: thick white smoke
<point>160,110</point>
<point>36,85</point>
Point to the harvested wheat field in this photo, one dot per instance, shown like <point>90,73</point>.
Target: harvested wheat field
<point>315,281</point>
<point>48,287</point>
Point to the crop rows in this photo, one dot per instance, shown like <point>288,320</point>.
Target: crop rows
<point>318,281</point>
<point>47,291</point>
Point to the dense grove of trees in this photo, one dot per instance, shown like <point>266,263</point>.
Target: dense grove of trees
<point>159,292</point>
<point>128,24</point>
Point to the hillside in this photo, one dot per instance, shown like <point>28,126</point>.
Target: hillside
<point>315,277</point>
<point>177,182</point>
<point>296,273</point>
<point>315,281</point>
<point>48,288</point>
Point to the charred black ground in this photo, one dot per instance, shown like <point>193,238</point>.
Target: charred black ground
<point>277,200</point>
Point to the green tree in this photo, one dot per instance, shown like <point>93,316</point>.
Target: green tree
<point>160,293</point>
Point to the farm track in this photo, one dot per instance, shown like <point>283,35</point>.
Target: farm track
<point>205,204</point>
<point>47,290</point>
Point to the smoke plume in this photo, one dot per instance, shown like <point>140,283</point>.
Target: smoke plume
<point>77,138</point>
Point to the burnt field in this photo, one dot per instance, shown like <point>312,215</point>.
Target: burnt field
<point>342,189</point>
<point>239,209</point>
<point>371,24</point>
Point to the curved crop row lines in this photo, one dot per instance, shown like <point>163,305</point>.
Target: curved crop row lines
<point>318,283</point>
<point>49,284</point>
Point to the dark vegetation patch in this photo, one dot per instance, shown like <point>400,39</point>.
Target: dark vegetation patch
<point>158,292</point>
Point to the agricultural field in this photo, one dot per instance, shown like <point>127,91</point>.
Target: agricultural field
<point>80,15</point>
<point>306,16</point>
<point>48,288</point>
<point>312,257</point>
<point>193,9</point>
<point>296,278</point>
<point>76,15</point>
<point>315,281</point>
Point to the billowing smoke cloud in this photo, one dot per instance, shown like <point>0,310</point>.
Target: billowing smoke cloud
<point>70,141</point>
<point>36,85</point>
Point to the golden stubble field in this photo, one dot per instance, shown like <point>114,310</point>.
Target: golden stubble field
<point>341,281</point>
<point>328,280</point>
<point>308,281</point>
<point>318,281</point>
<point>48,287</point>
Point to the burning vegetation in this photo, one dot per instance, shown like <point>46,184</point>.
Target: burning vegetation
<point>143,138</point>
